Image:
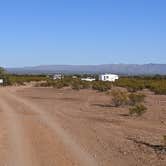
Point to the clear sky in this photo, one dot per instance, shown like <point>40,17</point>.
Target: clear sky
<point>36,32</point>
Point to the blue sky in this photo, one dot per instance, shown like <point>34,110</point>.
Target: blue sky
<point>36,32</point>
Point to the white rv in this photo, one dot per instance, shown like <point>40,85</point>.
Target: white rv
<point>88,79</point>
<point>1,81</point>
<point>108,77</point>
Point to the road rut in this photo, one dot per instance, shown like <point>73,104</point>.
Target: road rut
<point>23,149</point>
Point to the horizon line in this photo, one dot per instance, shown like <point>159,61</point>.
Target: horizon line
<point>42,65</point>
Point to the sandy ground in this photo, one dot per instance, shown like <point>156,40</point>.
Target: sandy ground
<point>49,127</point>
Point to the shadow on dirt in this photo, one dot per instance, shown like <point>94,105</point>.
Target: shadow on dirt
<point>161,149</point>
<point>124,115</point>
<point>103,105</point>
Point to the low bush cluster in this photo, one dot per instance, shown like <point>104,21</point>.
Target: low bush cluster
<point>21,79</point>
<point>164,140</point>
<point>53,83</point>
<point>135,98</point>
<point>78,84</point>
<point>157,84</point>
<point>101,86</point>
<point>5,76</point>
<point>137,110</point>
<point>120,97</point>
<point>75,84</point>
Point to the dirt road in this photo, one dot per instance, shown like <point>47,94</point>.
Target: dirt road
<point>48,127</point>
<point>30,130</point>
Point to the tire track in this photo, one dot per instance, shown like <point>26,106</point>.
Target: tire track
<point>19,150</point>
<point>79,154</point>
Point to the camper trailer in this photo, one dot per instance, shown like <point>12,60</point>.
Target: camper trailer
<point>1,81</point>
<point>108,77</point>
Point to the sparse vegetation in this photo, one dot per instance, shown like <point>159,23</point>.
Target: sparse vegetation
<point>101,86</point>
<point>5,76</point>
<point>76,84</point>
<point>135,98</point>
<point>157,84</point>
<point>164,140</point>
<point>132,84</point>
<point>119,98</point>
<point>137,110</point>
<point>21,79</point>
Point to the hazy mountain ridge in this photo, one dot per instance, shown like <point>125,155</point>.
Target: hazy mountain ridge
<point>126,69</point>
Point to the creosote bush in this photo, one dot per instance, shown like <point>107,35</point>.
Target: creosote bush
<point>157,84</point>
<point>137,110</point>
<point>135,98</point>
<point>119,98</point>
<point>101,86</point>
<point>164,140</point>
<point>76,85</point>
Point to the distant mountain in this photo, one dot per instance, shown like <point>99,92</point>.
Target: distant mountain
<point>122,69</point>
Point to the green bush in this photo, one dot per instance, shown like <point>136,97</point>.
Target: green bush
<point>135,98</point>
<point>119,98</point>
<point>137,110</point>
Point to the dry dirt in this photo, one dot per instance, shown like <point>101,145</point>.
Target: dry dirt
<point>49,127</point>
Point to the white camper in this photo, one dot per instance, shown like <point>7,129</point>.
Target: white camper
<point>1,81</point>
<point>88,79</point>
<point>108,77</point>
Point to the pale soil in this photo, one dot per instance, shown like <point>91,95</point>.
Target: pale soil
<point>49,127</point>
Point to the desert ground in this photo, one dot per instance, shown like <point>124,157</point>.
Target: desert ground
<point>65,127</point>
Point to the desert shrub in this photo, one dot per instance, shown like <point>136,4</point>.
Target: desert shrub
<point>119,98</point>
<point>5,76</point>
<point>132,84</point>
<point>53,83</point>
<point>20,82</point>
<point>21,79</point>
<point>101,86</point>
<point>85,85</point>
<point>134,88</point>
<point>135,98</point>
<point>157,84</point>
<point>159,90</point>
<point>76,85</point>
<point>137,110</point>
<point>48,83</point>
<point>164,140</point>
<point>58,84</point>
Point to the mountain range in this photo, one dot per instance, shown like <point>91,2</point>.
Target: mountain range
<point>122,69</point>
